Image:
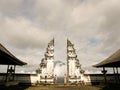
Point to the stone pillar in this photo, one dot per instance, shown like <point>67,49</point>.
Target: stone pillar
<point>104,73</point>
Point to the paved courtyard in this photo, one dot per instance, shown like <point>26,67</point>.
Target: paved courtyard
<point>64,88</point>
<point>49,88</point>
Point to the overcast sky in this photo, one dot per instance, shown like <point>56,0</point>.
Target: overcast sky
<point>26,27</point>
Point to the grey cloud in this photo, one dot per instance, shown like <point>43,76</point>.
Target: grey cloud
<point>22,33</point>
<point>10,8</point>
<point>59,62</point>
<point>29,25</point>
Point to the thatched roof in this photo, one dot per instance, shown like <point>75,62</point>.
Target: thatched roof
<point>7,58</point>
<point>112,61</point>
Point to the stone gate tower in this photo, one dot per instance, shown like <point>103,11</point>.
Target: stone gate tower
<point>47,64</point>
<point>74,71</point>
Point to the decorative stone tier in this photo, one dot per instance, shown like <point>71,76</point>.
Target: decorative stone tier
<point>49,54</point>
<point>71,54</point>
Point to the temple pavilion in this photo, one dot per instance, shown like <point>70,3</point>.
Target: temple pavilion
<point>7,58</point>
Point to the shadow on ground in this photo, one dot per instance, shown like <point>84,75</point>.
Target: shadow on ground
<point>17,87</point>
<point>111,87</point>
<point>60,87</point>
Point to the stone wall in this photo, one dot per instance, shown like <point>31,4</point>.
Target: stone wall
<point>22,78</point>
<point>99,78</point>
<point>87,78</point>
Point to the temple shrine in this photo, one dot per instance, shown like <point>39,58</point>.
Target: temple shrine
<point>74,71</point>
<point>47,64</point>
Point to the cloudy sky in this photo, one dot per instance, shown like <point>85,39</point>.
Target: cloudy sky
<point>26,27</point>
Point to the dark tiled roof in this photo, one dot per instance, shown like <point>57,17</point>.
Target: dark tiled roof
<point>7,58</point>
<point>112,61</point>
